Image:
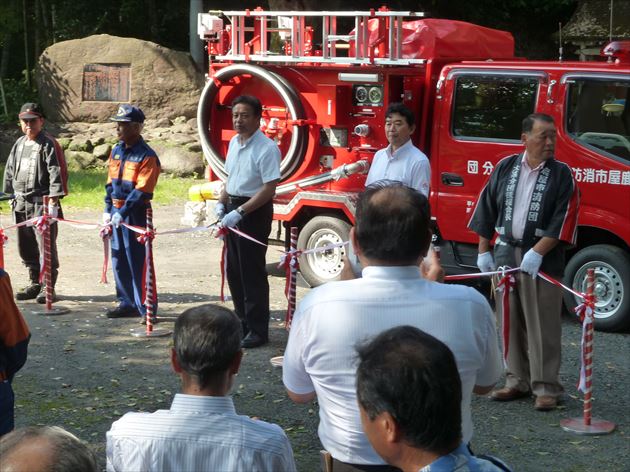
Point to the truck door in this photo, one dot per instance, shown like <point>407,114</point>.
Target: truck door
<point>478,122</point>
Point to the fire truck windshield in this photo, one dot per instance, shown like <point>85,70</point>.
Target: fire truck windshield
<point>598,114</point>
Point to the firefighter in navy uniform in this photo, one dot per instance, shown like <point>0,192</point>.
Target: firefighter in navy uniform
<point>133,173</point>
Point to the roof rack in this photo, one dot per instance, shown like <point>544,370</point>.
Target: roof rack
<point>288,36</point>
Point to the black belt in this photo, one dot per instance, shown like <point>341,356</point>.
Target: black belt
<point>236,200</point>
<point>513,242</point>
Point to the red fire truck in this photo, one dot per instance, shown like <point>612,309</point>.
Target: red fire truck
<point>325,79</point>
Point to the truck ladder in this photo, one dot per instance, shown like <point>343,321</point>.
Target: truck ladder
<point>250,36</point>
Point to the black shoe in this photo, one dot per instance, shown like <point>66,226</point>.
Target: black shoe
<point>29,292</point>
<point>41,298</point>
<point>253,340</point>
<point>122,312</point>
<point>143,320</point>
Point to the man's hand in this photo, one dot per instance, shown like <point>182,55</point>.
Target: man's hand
<point>531,263</point>
<point>431,267</point>
<point>53,210</point>
<point>116,219</point>
<point>231,219</point>
<point>485,262</point>
<point>107,218</point>
<point>219,210</point>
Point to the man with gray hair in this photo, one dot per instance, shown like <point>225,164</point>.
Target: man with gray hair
<point>45,449</point>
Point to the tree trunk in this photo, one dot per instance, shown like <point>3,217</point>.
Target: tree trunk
<point>153,20</point>
<point>6,54</point>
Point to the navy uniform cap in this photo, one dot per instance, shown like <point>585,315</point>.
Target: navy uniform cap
<point>128,113</point>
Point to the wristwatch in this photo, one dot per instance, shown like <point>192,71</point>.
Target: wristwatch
<point>240,211</point>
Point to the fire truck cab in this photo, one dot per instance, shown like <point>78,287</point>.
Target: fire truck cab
<point>325,90</point>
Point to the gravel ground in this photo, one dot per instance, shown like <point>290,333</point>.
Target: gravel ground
<point>84,370</point>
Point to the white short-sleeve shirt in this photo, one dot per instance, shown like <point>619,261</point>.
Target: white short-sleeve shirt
<point>407,164</point>
<point>329,322</point>
<point>251,165</point>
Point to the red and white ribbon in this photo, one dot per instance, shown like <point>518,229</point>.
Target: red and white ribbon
<point>42,226</point>
<point>3,243</point>
<point>506,285</point>
<point>106,235</point>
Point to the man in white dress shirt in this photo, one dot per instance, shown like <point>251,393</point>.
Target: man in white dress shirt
<point>201,431</point>
<point>401,160</point>
<point>390,237</point>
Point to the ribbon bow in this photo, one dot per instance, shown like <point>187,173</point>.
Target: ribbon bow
<point>146,236</point>
<point>3,243</point>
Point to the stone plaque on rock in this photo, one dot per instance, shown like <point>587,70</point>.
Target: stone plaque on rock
<point>106,82</point>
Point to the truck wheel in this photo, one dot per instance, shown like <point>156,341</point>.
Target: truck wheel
<point>612,284</point>
<point>321,267</point>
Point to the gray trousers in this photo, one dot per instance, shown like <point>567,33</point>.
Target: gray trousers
<point>534,353</point>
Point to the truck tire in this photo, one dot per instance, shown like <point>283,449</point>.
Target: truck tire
<point>299,134</point>
<point>612,284</point>
<point>322,267</point>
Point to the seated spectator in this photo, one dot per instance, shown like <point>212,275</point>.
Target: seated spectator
<point>391,235</point>
<point>201,431</point>
<point>409,395</point>
<point>45,449</point>
<point>14,338</point>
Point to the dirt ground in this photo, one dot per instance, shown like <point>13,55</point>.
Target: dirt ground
<point>84,370</point>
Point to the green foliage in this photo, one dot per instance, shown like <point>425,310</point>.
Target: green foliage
<point>16,93</point>
<point>87,189</point>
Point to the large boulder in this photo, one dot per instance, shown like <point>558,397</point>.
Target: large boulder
<point>179,161</point>
<point>163,82</point>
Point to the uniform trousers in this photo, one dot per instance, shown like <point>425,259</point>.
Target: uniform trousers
<point>128,257</point>
<point>534,353</point>
<point>30,241</point>
<point>246,269</point>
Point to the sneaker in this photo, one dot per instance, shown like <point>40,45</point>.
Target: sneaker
<point>41,298</point>
<point>29,292</point>
<point>122,312</point>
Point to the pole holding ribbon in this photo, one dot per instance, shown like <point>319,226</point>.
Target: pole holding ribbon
<point>150,288</point>
<point>292,265</point>
<point>43,227</point>
<point>3,242</point>
<point>587,424</point>
<point>506,285</point>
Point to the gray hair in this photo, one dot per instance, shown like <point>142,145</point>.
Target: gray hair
<point>71,454</point>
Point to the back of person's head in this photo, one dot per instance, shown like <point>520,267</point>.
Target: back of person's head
<point>412,376</point>
<point>45,449</point>
<point>392,223</point>
<point>402,110</point>
<point>206,339</point>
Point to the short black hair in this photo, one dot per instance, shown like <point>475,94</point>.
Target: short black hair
<point>206,340</point>
<point>71,454</point>
<point>251,101</point>
<point>392,222</point>
<point>412,376</point>
<point>529,120</point>
<point>403,111</point>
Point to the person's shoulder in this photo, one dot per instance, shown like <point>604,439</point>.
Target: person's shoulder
<point>134,419</point>
<point>458,294</point>
<point>149,151</point>
<point>337,291</point>
<point>562,168</point>
<point>263,431</point>
<point>417,154</point>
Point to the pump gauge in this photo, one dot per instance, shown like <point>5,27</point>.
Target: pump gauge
<point>360,94</point>
<point>375,95</point>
